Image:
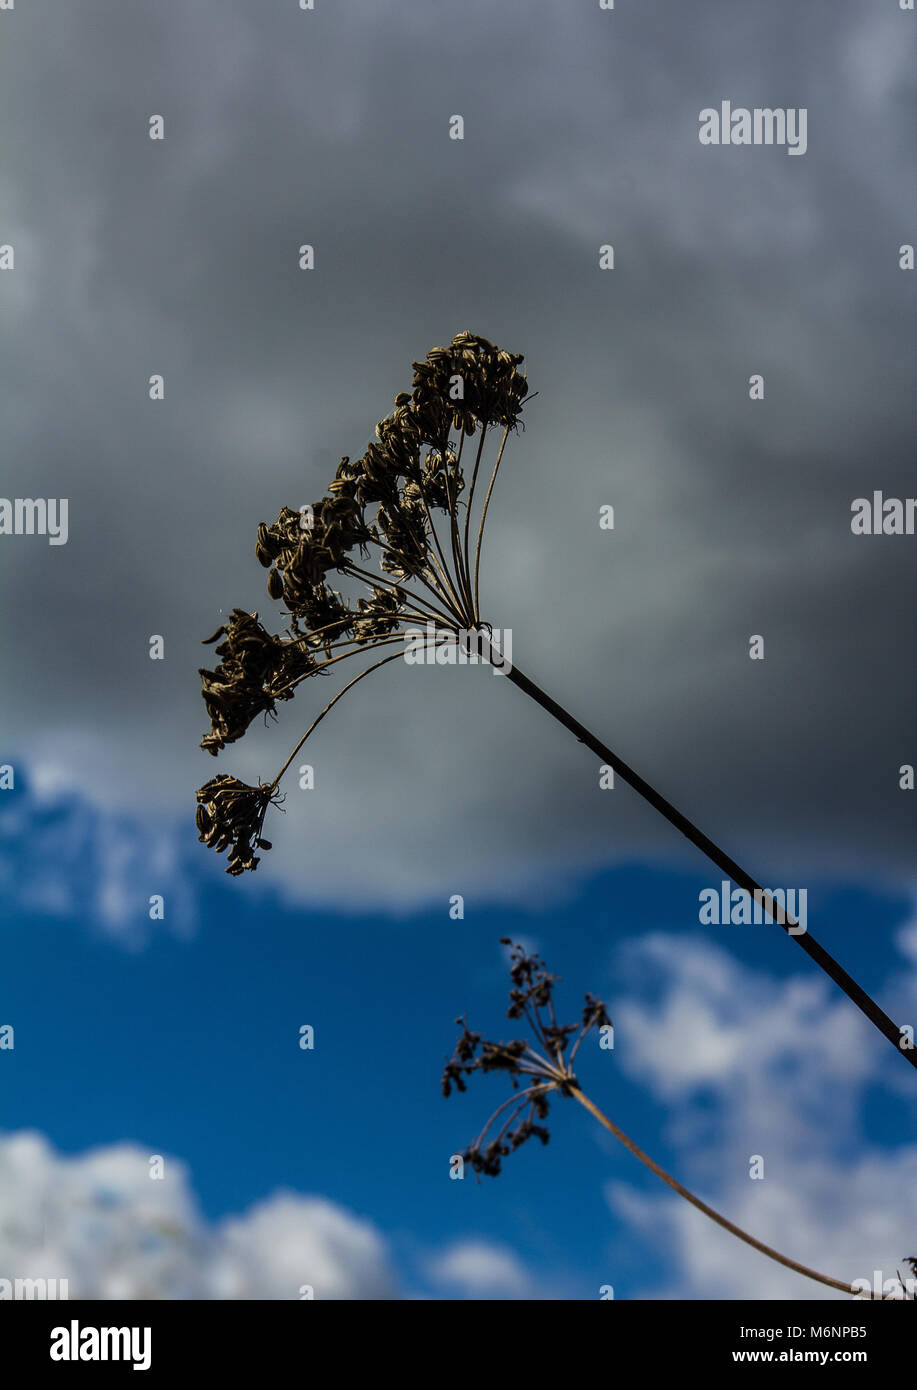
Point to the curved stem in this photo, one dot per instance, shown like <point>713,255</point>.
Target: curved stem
<point>442,569</point>
<point>544,1067</point>
<point>518,1098</point>
<point>477,548</point>
<point>474,479</point>
<point>381,581</point>
<point>395,656</point>
<point>333,661</point>
<point>448,578</point>
<point>469,501</point>
<point>436,588</point>
<point>583,1031</point>
<point>702,1206</point>
<point>458,560</point>
<point>298,636</point>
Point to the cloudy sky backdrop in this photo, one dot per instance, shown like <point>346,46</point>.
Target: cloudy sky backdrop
<point>180,257</point>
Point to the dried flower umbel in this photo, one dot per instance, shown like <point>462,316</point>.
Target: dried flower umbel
<point>410,506</point>
<point>403,506</point>
<point>540,1066</point>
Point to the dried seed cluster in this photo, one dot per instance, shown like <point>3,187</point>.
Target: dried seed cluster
<point>395,475</point>
<point>230,815</point>
<point>257,668</point>
<point>531,997</point>
<point>381,506</point>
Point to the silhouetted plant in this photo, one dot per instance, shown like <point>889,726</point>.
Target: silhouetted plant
<point>381,507</point>
<point>384,507</point>
<point>541,1066</point>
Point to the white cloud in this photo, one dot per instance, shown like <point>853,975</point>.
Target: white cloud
<point>906,940</point>
<point>719,1025</point>
<point>480,1269</point>
<point>844,1219</point>
<point>289,1240</point>
<point>100,1221</point>
<point>62,856</point>
<point>786,1065</point>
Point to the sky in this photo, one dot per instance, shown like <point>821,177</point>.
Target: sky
<point>179,1037</point>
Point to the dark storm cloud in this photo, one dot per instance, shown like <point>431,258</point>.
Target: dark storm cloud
<point>732,518</point>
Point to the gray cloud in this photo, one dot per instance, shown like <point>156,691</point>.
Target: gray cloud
<point>732,517</point>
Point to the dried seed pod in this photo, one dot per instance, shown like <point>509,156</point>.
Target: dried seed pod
<point>235,813</point>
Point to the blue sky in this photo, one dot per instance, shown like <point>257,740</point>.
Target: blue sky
<point>181,265</point>
<point>186,1044</point>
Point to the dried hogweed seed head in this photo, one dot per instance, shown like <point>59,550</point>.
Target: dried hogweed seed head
<point>538,1065</point>
<point>382,505</point>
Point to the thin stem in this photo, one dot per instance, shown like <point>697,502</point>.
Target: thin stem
<point>447,575</point>
<point>477,548</point>
<point>326,646</point>
<point>474,479</point>
<point>728,866</point>
<point>509,1120</point>
<point>342,624</point>
<point>518,1099</point>
<point>461,568</point>
<point>558,1049</point>
<point>470,500</point>
<point>395,656</point>
<point>545,1068</point>
<point>586,1028</point>
<point>467,505</point>
<point>333,661</point>
<point>702,1206</point>
<point>534,1023</point>
<point>381,581</point>
<point>437,589</point>
<point>442,567</point>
